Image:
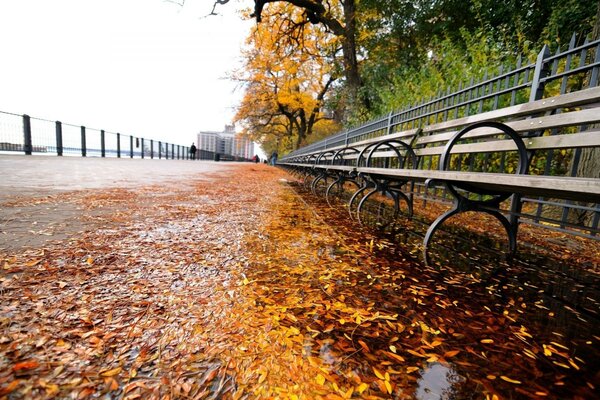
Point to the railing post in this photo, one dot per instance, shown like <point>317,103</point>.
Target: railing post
<point>537,92</point>
<point>389,123</point>
<point>102,144</point>
<point>151,149</point>
<point>118,145</point>
<point>59,139</point>
<point>142,151</point>
<point>172,151</point>
<point>159,149</point>
<point>130,146</point>
<point>27,145</point>
<point>83,144</point>
<point>541,71</point>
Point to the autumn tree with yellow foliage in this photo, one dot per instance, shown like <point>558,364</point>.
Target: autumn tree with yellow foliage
<point>289,68</point>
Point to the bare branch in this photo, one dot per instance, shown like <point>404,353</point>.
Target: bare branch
<point>179,3</point>
<point>221,2</point>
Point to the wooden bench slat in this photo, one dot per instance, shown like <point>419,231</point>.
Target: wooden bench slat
<point>574,118</point>
<point>582,189</point>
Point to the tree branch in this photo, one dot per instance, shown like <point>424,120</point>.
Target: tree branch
<point>221,2</point>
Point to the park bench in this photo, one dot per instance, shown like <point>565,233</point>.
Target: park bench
<point>484,161</point>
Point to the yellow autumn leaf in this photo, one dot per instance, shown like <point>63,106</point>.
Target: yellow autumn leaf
<point>547,351</point>
<point>262,377</point>
<point>349,393</point>
<point>378,374</point>
<point>388,386</point>
<point>487,341</point>
<point>411,369</point>
<point>507,379</point>
<point>573,364</point>
<point>561,364</point>
<point>314,361</point>
<point>559,345</point>
<point>33,263</point>
<point>362,387</point>
<point>320,379</point>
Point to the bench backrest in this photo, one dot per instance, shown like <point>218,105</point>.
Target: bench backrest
<point>563,123</point>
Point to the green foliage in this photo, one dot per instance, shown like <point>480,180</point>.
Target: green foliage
<point>447,66</point>
<point>414,50</point>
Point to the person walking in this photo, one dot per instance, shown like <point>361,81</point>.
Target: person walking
<point>274,157</point>
<point>193,151</point>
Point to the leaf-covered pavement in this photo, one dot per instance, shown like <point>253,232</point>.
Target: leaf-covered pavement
<point>239,288</point>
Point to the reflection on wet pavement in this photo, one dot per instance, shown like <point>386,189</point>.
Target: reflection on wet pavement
<point>436,382</point>
<point>482,328</point>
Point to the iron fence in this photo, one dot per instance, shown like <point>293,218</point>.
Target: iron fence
<point>30,135</point>
<point>569,69</point>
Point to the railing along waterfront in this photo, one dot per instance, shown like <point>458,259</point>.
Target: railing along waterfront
<point>38,136</point>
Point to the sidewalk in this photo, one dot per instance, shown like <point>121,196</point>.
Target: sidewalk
<point>230,285</point>
<point>42,198</point>
<point>45,174</point>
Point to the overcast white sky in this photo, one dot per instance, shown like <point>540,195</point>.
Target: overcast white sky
<point>140,67</point>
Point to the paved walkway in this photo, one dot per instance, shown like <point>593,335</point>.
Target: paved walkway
<point>28,175</point>
<point>34,211</point>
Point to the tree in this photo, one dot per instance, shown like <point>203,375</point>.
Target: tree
<point>338,17</point>
<point>287,73</point>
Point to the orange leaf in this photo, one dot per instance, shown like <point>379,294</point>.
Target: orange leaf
<point>451,353</point>
<point>414,353</point>
<point>25,365</point>
<point>394,356</point>
<point>364,346</point>
<point>11,386</point>
<point>111,372</point>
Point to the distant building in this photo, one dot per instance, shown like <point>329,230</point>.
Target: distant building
<point>226,142</point>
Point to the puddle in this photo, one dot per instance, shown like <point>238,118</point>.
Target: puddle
<point>436,383</point>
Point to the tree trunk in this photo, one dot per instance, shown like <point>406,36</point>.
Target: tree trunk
<point>589,163</point>
<point>351,71</point>
<point>302,129</point>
